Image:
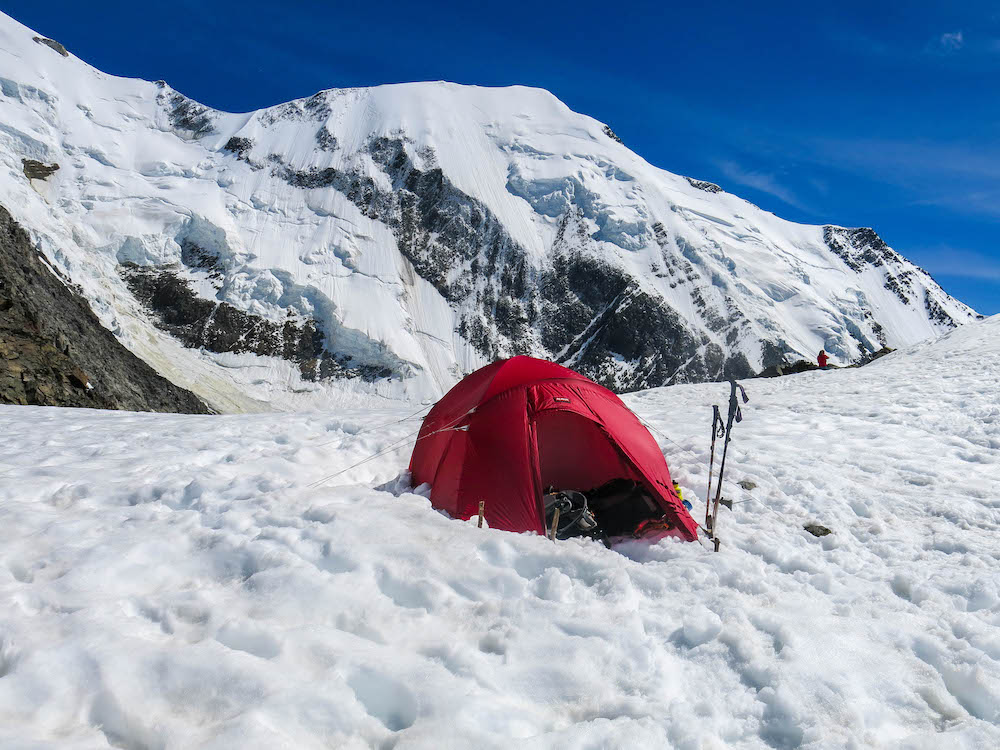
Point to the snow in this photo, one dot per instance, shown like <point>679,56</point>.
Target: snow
<point>132,186</point>
<point>177,581</point>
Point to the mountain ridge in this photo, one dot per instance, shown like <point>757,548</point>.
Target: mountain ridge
<point>380,242</point>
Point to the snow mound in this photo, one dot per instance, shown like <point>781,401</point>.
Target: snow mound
<point>174,581</point>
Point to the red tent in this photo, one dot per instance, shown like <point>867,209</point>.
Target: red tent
<point>519,425</point>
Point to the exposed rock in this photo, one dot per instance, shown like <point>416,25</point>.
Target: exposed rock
<point>872,356</point>
<point>326,140</point>
<point>708,187</point>
<point>220,327</point>
<point>611,134</point>
<point>787,368</point>
<point>936,312</point>
<point>187,116</point>
<point>582,311</point>
<point>36,170</point>
<point>816,530</point>
<point>53,44</point>
<point>239,146</point>
<point>315,108</point>
<point>55,352</point>
<point>862,248</point>
<point>802,365</point>
<point>859,247</point>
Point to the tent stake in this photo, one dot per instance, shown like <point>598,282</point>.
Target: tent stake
<point>555,524</point>
<point>482,504</point>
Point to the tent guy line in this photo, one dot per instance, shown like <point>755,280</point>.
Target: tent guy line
<point>395,446</point>
<point>383,426</point>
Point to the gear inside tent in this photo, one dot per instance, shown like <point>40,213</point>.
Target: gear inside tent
<point>525,437</point>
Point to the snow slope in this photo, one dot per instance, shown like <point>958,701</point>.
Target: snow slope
<point>176,581</point>
<point>385,241</point>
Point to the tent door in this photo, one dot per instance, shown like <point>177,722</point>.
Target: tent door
<point>573,452</point>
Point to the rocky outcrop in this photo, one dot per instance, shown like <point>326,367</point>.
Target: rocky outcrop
<point>579,311</point>
<point>708,187</point>
<point>51,43</point>
<point>862,248</point>
<point>802,365</point>
<point>36,170</point>
<point>55,352</point>
<point>188,118</point>
<point>222,328</point>
<point>611,134</point>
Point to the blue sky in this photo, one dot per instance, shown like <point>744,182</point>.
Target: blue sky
<point>852,113</point>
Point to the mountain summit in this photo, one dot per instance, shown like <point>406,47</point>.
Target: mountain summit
<point>384,241</point>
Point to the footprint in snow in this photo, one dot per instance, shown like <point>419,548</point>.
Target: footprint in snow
<point>250,639</point>
<point>389,701</point>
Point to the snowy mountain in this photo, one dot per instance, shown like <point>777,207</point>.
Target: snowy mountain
<point>188,581</point>
<point>383,241</point>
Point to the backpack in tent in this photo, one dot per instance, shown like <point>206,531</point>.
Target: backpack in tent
<point>519,430</point>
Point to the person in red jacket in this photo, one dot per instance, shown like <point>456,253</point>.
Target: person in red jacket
<point>822,359</point>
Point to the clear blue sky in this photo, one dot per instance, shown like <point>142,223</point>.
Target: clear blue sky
<point>854,113</point>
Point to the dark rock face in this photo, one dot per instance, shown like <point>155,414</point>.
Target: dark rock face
<point>51,43</point>
<point>326,140</point>
<point>239,146</point>
<point>219,327</point>
<point>612,331</point>
<point>577,309</point>
<point>872,356</point>
<point>859,247</point>
<point>36,170</point>
<point>315,108</point>
<point>862,247</point>
<point>708,187</point>
<point>791,368</point>
<point>581,311</point>
<point>611,134</point>
<point>186,115</point>
<point>55,352</point>
<point>936,312</point>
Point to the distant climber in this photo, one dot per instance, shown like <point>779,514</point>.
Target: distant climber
<point>822,359</point>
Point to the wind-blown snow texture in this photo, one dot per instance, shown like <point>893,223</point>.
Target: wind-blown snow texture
<point>175,582</point>
<point>388,240</point>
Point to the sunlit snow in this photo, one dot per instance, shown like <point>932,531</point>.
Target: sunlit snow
<point>175,581</point>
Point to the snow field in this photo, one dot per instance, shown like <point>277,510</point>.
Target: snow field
<point>175,581</point>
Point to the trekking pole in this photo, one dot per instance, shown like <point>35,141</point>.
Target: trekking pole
<point>737,415</point>
<point>717,431</point>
